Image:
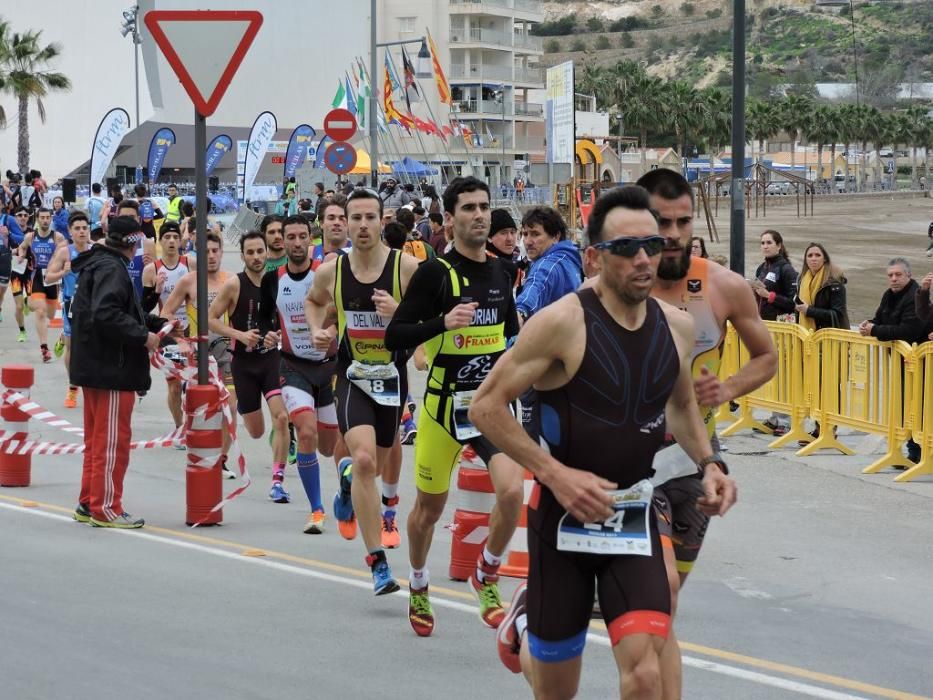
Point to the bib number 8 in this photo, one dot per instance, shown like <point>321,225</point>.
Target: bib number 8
<point>378,385</point>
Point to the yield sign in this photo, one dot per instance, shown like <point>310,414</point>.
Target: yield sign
<point>204,48</point>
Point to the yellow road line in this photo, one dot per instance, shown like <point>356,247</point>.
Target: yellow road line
<point>713,652</point>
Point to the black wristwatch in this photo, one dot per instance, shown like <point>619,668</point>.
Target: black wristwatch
<point>714,458</point>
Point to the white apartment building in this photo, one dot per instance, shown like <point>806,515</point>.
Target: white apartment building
<point>492,62</point>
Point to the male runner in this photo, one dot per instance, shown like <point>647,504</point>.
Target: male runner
<point>145,250</point>
<point>159,279</point>
<point>306,373</point>
<point>712,295</point>
<point>10,235</point>
<point>59,271</point>
<point>611,368</point>
<point>235,313</point>
<point>366,285</point>
<point>333,220</point>
<point>43,296</point>
<point>461,306</point>
<point>273,228</point>
<point>21,276</point>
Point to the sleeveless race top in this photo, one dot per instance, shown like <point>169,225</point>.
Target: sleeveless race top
<point>135,268</point>
<point>609,418</point>
<point>245,316</point>
<point>191,319</point>
<point>43,249</point>
<point>290,298</point>
<point>70,280</point>
<point>360,330</point>
<point>172,277</point>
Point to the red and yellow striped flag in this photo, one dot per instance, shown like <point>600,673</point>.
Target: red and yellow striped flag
<point>443,89</point>
<point>388,105</point>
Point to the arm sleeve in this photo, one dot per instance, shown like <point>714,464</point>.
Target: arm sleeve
<point>149,299</point>
<point>923,306</point>
<point>268,291</point>
<point>420,315</point>
<point>109,302</point>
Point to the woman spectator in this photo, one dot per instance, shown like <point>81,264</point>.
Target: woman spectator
<point>821,292</point>
<point>698,248</point>
<point>60,217</point>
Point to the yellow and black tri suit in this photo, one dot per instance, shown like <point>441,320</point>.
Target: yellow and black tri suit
<point>459,360</point>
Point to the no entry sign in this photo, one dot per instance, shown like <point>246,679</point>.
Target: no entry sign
<point>340,124</point>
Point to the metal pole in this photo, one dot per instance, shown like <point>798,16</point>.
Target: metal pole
<point>502,164</point>
<point>136,72</point>
<point>737,221</point>
<point>373,127</point>
<point>200,198</point>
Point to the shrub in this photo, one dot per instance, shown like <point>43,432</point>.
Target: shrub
<point>714,14</point>
<point>578,45</point>
<point>688,9</point>
<point>595,24</point>
<point>657,11</point>
<point>552,46</point>
<point>626,41</point>
<point>558,27</point>
<point>602,42</point>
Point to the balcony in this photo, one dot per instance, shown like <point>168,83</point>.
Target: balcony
<point>490,107</point>
<point>477,35</point>
<point>496,7</point>
<point>529,109</point>
<point>480,72</point>
<point>529,75</point>
<point>528,42</point>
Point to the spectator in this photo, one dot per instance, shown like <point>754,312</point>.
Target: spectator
<point>430,200</point>
<point>896,319</point>
<point>406,218</point>
<point>60,217</point>
<point>720,260</point>
<point>924,304</point>
<point>437,239</point>
<point>148,211</point>
<point>775,280</point>
<point>930,236</point>
<point>698,247</point>
<point>821,292</point>
<point>111,341</point>
<point>502,242</point>
<point>394,196</point>
<point>288,205</point>
<point>556,267</point>
<point>95,204</point>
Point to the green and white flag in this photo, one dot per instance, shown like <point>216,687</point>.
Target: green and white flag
<point>340,99</point>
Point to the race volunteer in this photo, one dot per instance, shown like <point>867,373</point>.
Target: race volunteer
<point>366,285</point>
<point>461,306</point>
<point>43,298</point>
<point>611,367</point>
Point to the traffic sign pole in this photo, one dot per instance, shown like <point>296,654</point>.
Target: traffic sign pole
<point>200,198</point>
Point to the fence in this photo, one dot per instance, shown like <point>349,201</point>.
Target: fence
<point>841,379</point>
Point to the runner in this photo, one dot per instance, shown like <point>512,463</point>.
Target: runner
<point>160,278</point>
<point>235,313</point>
<point>43,297</point>
<point>333,220</point>
<point>462,307</point>
<point>366,285</point>
<point>145,250</point>
<point>611,366</point>
<point>10,234</point>
<point>148,211</point>
<point>712,295</point>
<point>273,228</point>
<point>305,373</point>
<point>185,295</point>
<point>59,271</point>
<point>21,275</point>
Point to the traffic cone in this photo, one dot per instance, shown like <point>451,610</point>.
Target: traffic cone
<point>56,320</point>
<point>516,560</point>
<point>470,528</point>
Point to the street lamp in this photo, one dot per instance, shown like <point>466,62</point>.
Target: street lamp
<point>130,26</point>
<point>423,62</point>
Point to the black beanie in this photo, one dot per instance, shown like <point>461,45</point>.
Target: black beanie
<point>500,219</point>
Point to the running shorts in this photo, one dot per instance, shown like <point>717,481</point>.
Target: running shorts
<point>38,289</point>
<point>309,386</point>
<point>437,450</point>
<point>20,284</point>
<point>6,265</point>
<point>633,591</point>
<point>255,376</point>
<point>355,408</point>
<point>66,317</point>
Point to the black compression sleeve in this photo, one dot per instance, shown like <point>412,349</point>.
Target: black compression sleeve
<point>420,315</point>
<point>149,299</point>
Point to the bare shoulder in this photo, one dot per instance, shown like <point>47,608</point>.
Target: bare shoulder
<point>563,315</point>
<point>326,270</point>
<point>682,326</point>
<point>733,290</point>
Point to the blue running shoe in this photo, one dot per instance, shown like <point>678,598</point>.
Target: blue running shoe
<point>343,503</point>
<point>409,432</point>
<point>293,452</point>
<point>383,581</point>
<point>278,494</point>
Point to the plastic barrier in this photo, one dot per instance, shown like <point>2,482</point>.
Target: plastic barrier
<point>785,393</point>
<point>204,440</point>
<point>921,412</point>
<point>858,382</point>
<point>728,365</point>
<point>16,469</point>
<point>471,520</point>
<point>56,320</point>
<point>516,559</point>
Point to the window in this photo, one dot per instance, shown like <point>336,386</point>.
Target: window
<point>406,24</point>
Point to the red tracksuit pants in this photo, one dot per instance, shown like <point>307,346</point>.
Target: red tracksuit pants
<point>107,435</point>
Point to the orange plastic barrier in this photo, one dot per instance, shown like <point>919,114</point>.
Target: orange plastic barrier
<point>516,561</point>
<point>16,470</point>
<point>470,528</point>
<point>204,440</point>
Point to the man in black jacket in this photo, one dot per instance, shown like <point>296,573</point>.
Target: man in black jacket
<point>111,341</point>
<point>896,319</point>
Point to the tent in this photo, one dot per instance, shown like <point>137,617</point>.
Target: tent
<point>410,166</point>
<point>363,164</point>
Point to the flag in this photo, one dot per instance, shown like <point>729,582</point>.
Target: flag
<point>362,96</point>
<point>393,76</point>
<point>340,99</point>
<point>351,98</point>
<point>392,114</point>
<point>411,86</point>
<point>443,89</point>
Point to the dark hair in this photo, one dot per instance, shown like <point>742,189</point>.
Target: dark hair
<point>43,210</point>
<point>395,235</point>
<point>703,254</point>
<point>117,195</point>
<point>666,184</point>
<point>429,191</point>
<point>187,208</point>
<point>319,186</point>
<point>549,219</point>
<point>459,185</point>
<point>20,209</point>
<point>297,219</point>
<point>418,210</point>
<point>362,193</point>
<point>172,184</point>
<point>78,216</point>
<point>170,227</point>
<point>250,235</point>
<point>778,238</point>
<point>140,190</point>
<point>128,204</point>
<point>339,201</point>
<point>268,219</point>
<point>832,271</point>
<point>405,217</point>
<point>408,187</point>
<point>628,197</point>
<point>95,188</point>
<point>436,218</point>
<point>213,237</point>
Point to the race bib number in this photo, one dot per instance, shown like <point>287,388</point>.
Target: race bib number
<point>626,531</point>
<point>18,265</point>
<point>379,382</point>
<point>672,462</point>
<point>463,427</point>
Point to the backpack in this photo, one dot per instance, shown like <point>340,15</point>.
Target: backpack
<point>416,249</point>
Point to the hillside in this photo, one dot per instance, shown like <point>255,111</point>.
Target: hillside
<point>789,41</point>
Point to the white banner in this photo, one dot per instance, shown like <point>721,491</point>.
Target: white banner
<point>113,127</point>
<point>260,136</point>
<point>560,118</point>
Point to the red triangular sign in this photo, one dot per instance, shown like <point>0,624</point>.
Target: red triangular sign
<point>204,48</point>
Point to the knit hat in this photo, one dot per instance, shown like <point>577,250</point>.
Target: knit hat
<point>124,232</point>
<point>501,219</point>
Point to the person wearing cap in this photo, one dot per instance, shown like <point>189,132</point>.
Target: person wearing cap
<point>393,196</point>
<point>111,338</point>
<point>502,241</point>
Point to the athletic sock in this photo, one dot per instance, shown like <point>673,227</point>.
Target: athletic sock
<point>389,497</point>
<point>418,579</point>
<point>521,622</point>
<point>375,556</point>
<point>490,560</point>
<point>278,472</point>
<point>44,346</point>
<point>22,329</point>
<point>310,472</point>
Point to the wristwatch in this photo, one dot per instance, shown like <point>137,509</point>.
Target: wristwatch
<point>714,458</point>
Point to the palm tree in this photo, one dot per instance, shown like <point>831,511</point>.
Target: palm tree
<point>818,127</point>
<point>717,125</point>
<point>834,131</point>
<point>24,64</point>
<point>761,122</point>
<point>685,109</point>
<point>916,124</point>
<point>592,80</point>
<point>642,104</point>
<point>848,129</point>
<point>793,113</point>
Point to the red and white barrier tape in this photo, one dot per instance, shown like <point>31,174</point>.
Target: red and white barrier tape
<point>34,410</point>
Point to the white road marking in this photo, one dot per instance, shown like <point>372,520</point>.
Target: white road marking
<point>742,586</point>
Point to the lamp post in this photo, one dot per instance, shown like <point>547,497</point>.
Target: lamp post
<point>502,138</point>
<point>131,27</point>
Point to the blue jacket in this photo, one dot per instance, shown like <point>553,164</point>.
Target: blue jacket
<point>60,223</point>
<point>556,273</point>
<point>14,235</point>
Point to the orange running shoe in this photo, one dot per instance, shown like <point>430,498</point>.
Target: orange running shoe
<point>390,536</point>
<point>71,398</point>
<point>315,523</point>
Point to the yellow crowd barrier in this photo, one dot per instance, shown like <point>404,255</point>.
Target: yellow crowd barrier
<point>841,379</point>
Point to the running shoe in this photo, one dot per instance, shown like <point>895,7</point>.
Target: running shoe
<point>409,432</point>
<point>383,581</point>
<point>468,455</point>
<point>491,611</point>
<point>420,612</point>
<point>124,521</point>
<point>71,398</point>
<point>508,641</point>
<point>412,406</point>
<point>315,523</point>
<point>343,502</point>
<point>225,471</point>
<point>21,337</point>
<point>46,355</point>
<point>293,452</point>
<point>82,514</point>
<point>390,537</point>
<point>60,346</point>
<point>278,494</point>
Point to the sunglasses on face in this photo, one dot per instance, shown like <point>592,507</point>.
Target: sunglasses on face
<point>629,247</point>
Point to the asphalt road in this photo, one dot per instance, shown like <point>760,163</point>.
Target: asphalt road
<point>817,584</point>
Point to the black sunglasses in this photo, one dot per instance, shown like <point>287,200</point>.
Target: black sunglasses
<point>629,247</point>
